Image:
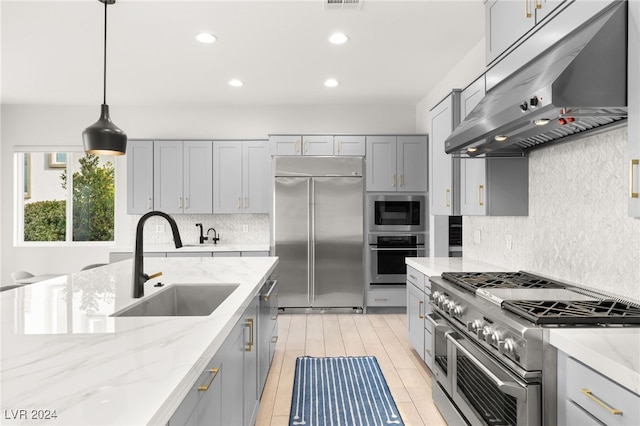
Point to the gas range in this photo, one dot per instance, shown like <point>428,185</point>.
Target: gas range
<point>490,325</point>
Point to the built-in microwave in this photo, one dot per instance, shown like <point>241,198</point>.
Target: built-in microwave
<point>397,213</point>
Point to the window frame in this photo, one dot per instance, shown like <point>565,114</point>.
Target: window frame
<point>20,198</point>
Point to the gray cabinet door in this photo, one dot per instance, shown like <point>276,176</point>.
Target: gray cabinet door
<point>250,364</point>
<point>415,318</point>
<point>197,179</point>
<point>473,187</point>
<point>209,409</point>
<point>634,108</point>
<point>506,21</point>
<point>337,233</point>
<point>167,172</point>
<point>291,235</point>
<point>443,193</point>
<point>139,177</point>
<point>411,163</point>
<point>285,144</point>
<point>232,400</point>
<point>227,179</point>
<point>317,145</point>
<point>381,163</point>
<point>349,145</point>
<point>256,177</point>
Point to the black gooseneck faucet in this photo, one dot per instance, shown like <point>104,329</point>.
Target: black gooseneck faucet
<point>216,237</point>
<point>139,277</point>
<point>202,237</point>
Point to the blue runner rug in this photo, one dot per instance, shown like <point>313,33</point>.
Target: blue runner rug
<point>343,391</point>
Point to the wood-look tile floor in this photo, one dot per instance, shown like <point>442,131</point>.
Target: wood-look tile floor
<point>381,335</point>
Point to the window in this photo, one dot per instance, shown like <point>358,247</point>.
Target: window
<point>64,197</point>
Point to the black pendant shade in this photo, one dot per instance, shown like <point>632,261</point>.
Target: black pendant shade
<point>103,137</point>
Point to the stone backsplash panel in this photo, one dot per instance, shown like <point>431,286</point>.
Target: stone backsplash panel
<point>577,229</point>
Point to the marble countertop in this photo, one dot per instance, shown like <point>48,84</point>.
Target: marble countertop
<point>613,352</point>
<point>433,266</point>
<point>61,350</point>
<point>207,247</point>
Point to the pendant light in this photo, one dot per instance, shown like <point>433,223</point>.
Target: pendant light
<point>103,137</point>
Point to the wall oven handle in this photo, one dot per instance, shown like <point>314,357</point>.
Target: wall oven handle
<point>510,388</point>
<point>397,249</point>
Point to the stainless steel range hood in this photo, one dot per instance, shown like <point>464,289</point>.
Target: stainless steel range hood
<point>578,85</point>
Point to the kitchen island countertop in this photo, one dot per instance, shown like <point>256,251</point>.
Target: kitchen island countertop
<point>63,351</point>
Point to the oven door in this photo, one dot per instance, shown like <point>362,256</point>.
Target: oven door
<point>442,364</point>
<point>486,392</point>
<point>388,265</point>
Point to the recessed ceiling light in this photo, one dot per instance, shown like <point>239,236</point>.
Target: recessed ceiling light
<point>541,121</point>
<point>472,149</point>
<point>338,38</point>
<point>236,83</point>
<point>332,82</point>
<point>500,138</point>
<point>206,38</point>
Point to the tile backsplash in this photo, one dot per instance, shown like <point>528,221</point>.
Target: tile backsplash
<point>228,226</point>
<point>578,228</point>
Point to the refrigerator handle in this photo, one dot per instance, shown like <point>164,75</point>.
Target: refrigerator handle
<point>312,240</point>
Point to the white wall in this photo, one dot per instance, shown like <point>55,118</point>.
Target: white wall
<point>47,126</point>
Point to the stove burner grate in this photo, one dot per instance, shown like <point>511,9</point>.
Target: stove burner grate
<point>575,312</point>
<point>473,281</point>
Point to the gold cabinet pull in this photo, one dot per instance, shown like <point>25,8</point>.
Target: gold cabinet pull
<point>420,303</point>
<point>446,197</point>
<point>393,180</point>
<point>527,13</point>
<point>601,403</point>
<point>239,203</point>
<point>187,205</point>
<point>179,202</point>
<point>214,373</point>
<point>274,339</point>
<point>246,202</point>
<point>401,181</point>
<point>249,324</point>
<point>537,4</point>
<point>480,189</point>
<point>632,163</point>
<point>149,203</point>
<point>428,352</point>
<point>306,146</point>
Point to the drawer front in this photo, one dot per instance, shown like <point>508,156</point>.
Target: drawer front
<point>576,416</point>
<point>387,298</point>
<point>417,278</point>
<point>602,398</point>
<point>428,348</point>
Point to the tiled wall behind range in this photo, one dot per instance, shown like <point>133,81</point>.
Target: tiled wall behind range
<point>577,229</point>
<point>228,226</point>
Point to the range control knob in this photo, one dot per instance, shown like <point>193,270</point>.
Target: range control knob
<point>533,101</point>
<point>474,326</point>
<point>458,311</point>
<point>494,338</point>
<point>485,332</point>
<point>507,346</point>
<point>435,296</point>
<point>524,106</point>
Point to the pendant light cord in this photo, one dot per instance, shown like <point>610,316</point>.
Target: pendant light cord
<point>104,85</point>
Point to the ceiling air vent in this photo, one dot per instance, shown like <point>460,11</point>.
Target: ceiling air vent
<point>342,4</point>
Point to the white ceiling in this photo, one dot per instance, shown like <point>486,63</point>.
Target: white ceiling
<point>398,50</point>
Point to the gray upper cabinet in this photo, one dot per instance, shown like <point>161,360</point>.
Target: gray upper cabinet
<point>183,176</point>
<point>241,176</point>
<point>396,163</point>
<point>349,145</point>
<point>443,168</point>
<point>317,145</point>
<point>301,145</point>
<point>285,144</point>
<point>139,176</point>
<point>633,91</point>
<point>507,21</point>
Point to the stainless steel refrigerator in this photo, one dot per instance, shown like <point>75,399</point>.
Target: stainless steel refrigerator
<point>318,231</point>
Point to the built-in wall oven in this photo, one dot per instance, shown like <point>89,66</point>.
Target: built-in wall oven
<point>397,213</point>
<point>387,254</point>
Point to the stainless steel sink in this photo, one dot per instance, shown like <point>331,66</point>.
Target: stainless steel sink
<point>180,300</point>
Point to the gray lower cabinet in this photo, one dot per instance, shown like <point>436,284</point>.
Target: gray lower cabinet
<point>585,397</point>
<point>267,329</point>
<point>227,392</point>
<point>633,90</point>
<point>415,315</point>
